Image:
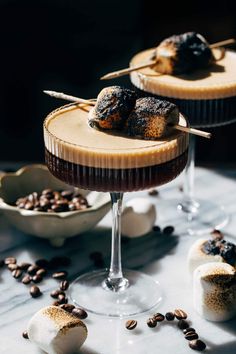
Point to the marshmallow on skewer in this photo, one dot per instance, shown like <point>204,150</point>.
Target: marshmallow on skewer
<point>138,217</point>
<point>214,291</point>
<point>55,331</point>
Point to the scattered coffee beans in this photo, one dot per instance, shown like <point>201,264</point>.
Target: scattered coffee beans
<point>191,335</point>
<point>180,314</point>
<point>24,266</point>
<point>35,291</point>
<point>55,293</point>
<point>32,269</point>
<point>153,192</point>
<point>67,307</point>
<point>131,324</point>
<point>17,273</point>
<point>80,313</point>
<point>182,324</point>
<point>197,344</point>
<point>189,329</point>
<point>25,335</point>
<point>26,279</point>
<point>217,235</point>
<point>158,317</point>
<point>37,278</point>
<point>169,316</point>
<point>156,228</point>
<point>151,322</point>
<point>64,285</point>
<point>168,230</point>
<point>10,260</point>
<point>12,266</point>
<point>60,275</point>
<point>41,272</point>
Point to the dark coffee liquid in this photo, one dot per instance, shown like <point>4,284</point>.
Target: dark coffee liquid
<point>203,113</point>
<point>115,180</point>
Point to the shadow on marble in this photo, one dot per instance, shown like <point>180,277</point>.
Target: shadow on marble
<point>225,348</point>
<point>228,326</point>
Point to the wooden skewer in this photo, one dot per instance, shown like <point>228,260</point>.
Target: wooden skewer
<point>63,96</point>
<point>119,73</point>
<point>193,131</point>
<point>70,98</point>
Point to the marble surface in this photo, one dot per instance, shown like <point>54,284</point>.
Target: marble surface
<point>162,257</point>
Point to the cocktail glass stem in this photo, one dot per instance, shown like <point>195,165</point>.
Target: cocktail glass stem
<point>115,280</point>
<point>189,205</point>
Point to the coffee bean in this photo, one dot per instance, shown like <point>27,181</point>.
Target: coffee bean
<point>32,269</point>
<point>180,314</point>
<point>37,279</point>
<point>197,344</point>
<point>168,230</point>
<point>41,272</point>
<point>151,322</point>
<point>153,192</point>
<point>35,291</point>
<point>2,263</point>
<point>57,208</point>
<point>170,316</point>
<point>67,307</point>
<point>56,303</point>
<point>62,299</point>
<point>26,279</point>
<point>55,293</point>
<point>12,266</point>
<point>60,275</point>
<point>24,265</point>
<point>189,329</point>
<point>71,207</point>
<point>33,197</point>
<point>182,324</point>
<point>67,194</point>
<point>29,206</point>
<point>47,191</point>
<point>80,313</point>
<point>159,317</point>
<point>10,260</point>
<point>64,285</point>
<point>25,335</point>
<point>191,335</point>
<point>131,324</point>
<point>217,235</point>
<point>156,228</point>
<point>17,273</point>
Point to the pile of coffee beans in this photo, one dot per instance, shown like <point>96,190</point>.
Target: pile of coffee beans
<point>51,201</point>
<point>189,333</point>
<point>28,273</point>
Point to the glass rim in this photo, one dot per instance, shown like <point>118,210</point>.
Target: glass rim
<point>93,148</point>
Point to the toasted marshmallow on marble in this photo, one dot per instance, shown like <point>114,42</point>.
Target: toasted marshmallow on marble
<point>214,291</point>
<point>211,250</point>
<point>138,217</point>
<point>55,331</point>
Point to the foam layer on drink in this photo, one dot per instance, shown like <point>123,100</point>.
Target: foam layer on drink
<point>69,137</point>
<point>217,81</point>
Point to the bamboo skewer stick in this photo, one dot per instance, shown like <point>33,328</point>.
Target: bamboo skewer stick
<point>70,98</point>
<point>93,102</point>
<point>119,73</point>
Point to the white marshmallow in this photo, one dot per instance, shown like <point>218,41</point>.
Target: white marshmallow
<point>55,331</point>
<point>214,291</point>
<point>138,217</point>
<point>197,257</point>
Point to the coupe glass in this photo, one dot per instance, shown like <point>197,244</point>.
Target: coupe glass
<point>112,292</point>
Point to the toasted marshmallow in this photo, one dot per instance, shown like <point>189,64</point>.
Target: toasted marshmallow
<point>197,256</point>
<point>214,291</point>
<point>138,217</point>
<point>55,331</point>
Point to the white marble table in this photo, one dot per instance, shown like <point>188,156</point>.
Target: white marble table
<point>163,257</point>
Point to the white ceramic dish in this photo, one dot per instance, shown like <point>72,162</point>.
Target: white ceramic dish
<point>54,226</point>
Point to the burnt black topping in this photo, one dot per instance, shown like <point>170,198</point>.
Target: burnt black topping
<point>147,109</point>
<point>114,103</point>
<point>227,250</point>
<point>192,52</point>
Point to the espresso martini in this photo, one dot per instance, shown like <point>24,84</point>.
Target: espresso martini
<point>101,160</point>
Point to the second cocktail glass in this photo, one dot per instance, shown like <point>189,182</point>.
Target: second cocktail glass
<point>111,162</point>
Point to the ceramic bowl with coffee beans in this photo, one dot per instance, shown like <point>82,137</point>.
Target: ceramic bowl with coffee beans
<point>38,204</point>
